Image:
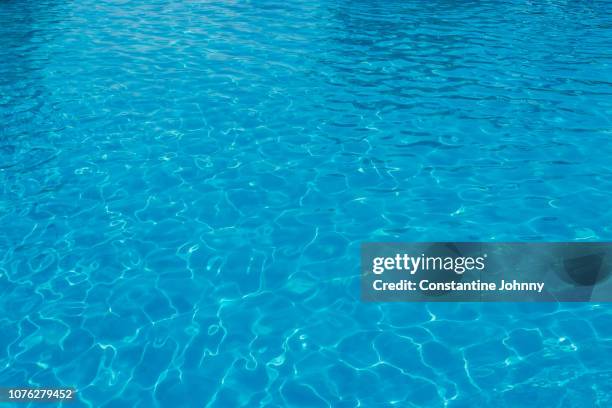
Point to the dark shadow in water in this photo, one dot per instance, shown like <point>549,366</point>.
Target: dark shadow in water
<point>26,30</point>
<point>25,27</point>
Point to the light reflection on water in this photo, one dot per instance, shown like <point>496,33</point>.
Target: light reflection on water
<point>185,186</point>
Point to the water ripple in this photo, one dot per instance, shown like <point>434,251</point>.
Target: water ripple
<point>185,185</point>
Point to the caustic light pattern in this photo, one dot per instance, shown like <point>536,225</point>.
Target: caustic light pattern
<point>184,187</point>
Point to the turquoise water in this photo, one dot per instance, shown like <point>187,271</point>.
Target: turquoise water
<point>184,186</point>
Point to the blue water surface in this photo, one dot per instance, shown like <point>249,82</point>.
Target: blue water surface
<point>184,187</point>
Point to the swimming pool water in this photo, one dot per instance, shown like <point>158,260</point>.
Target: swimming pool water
<point>184,186</point>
